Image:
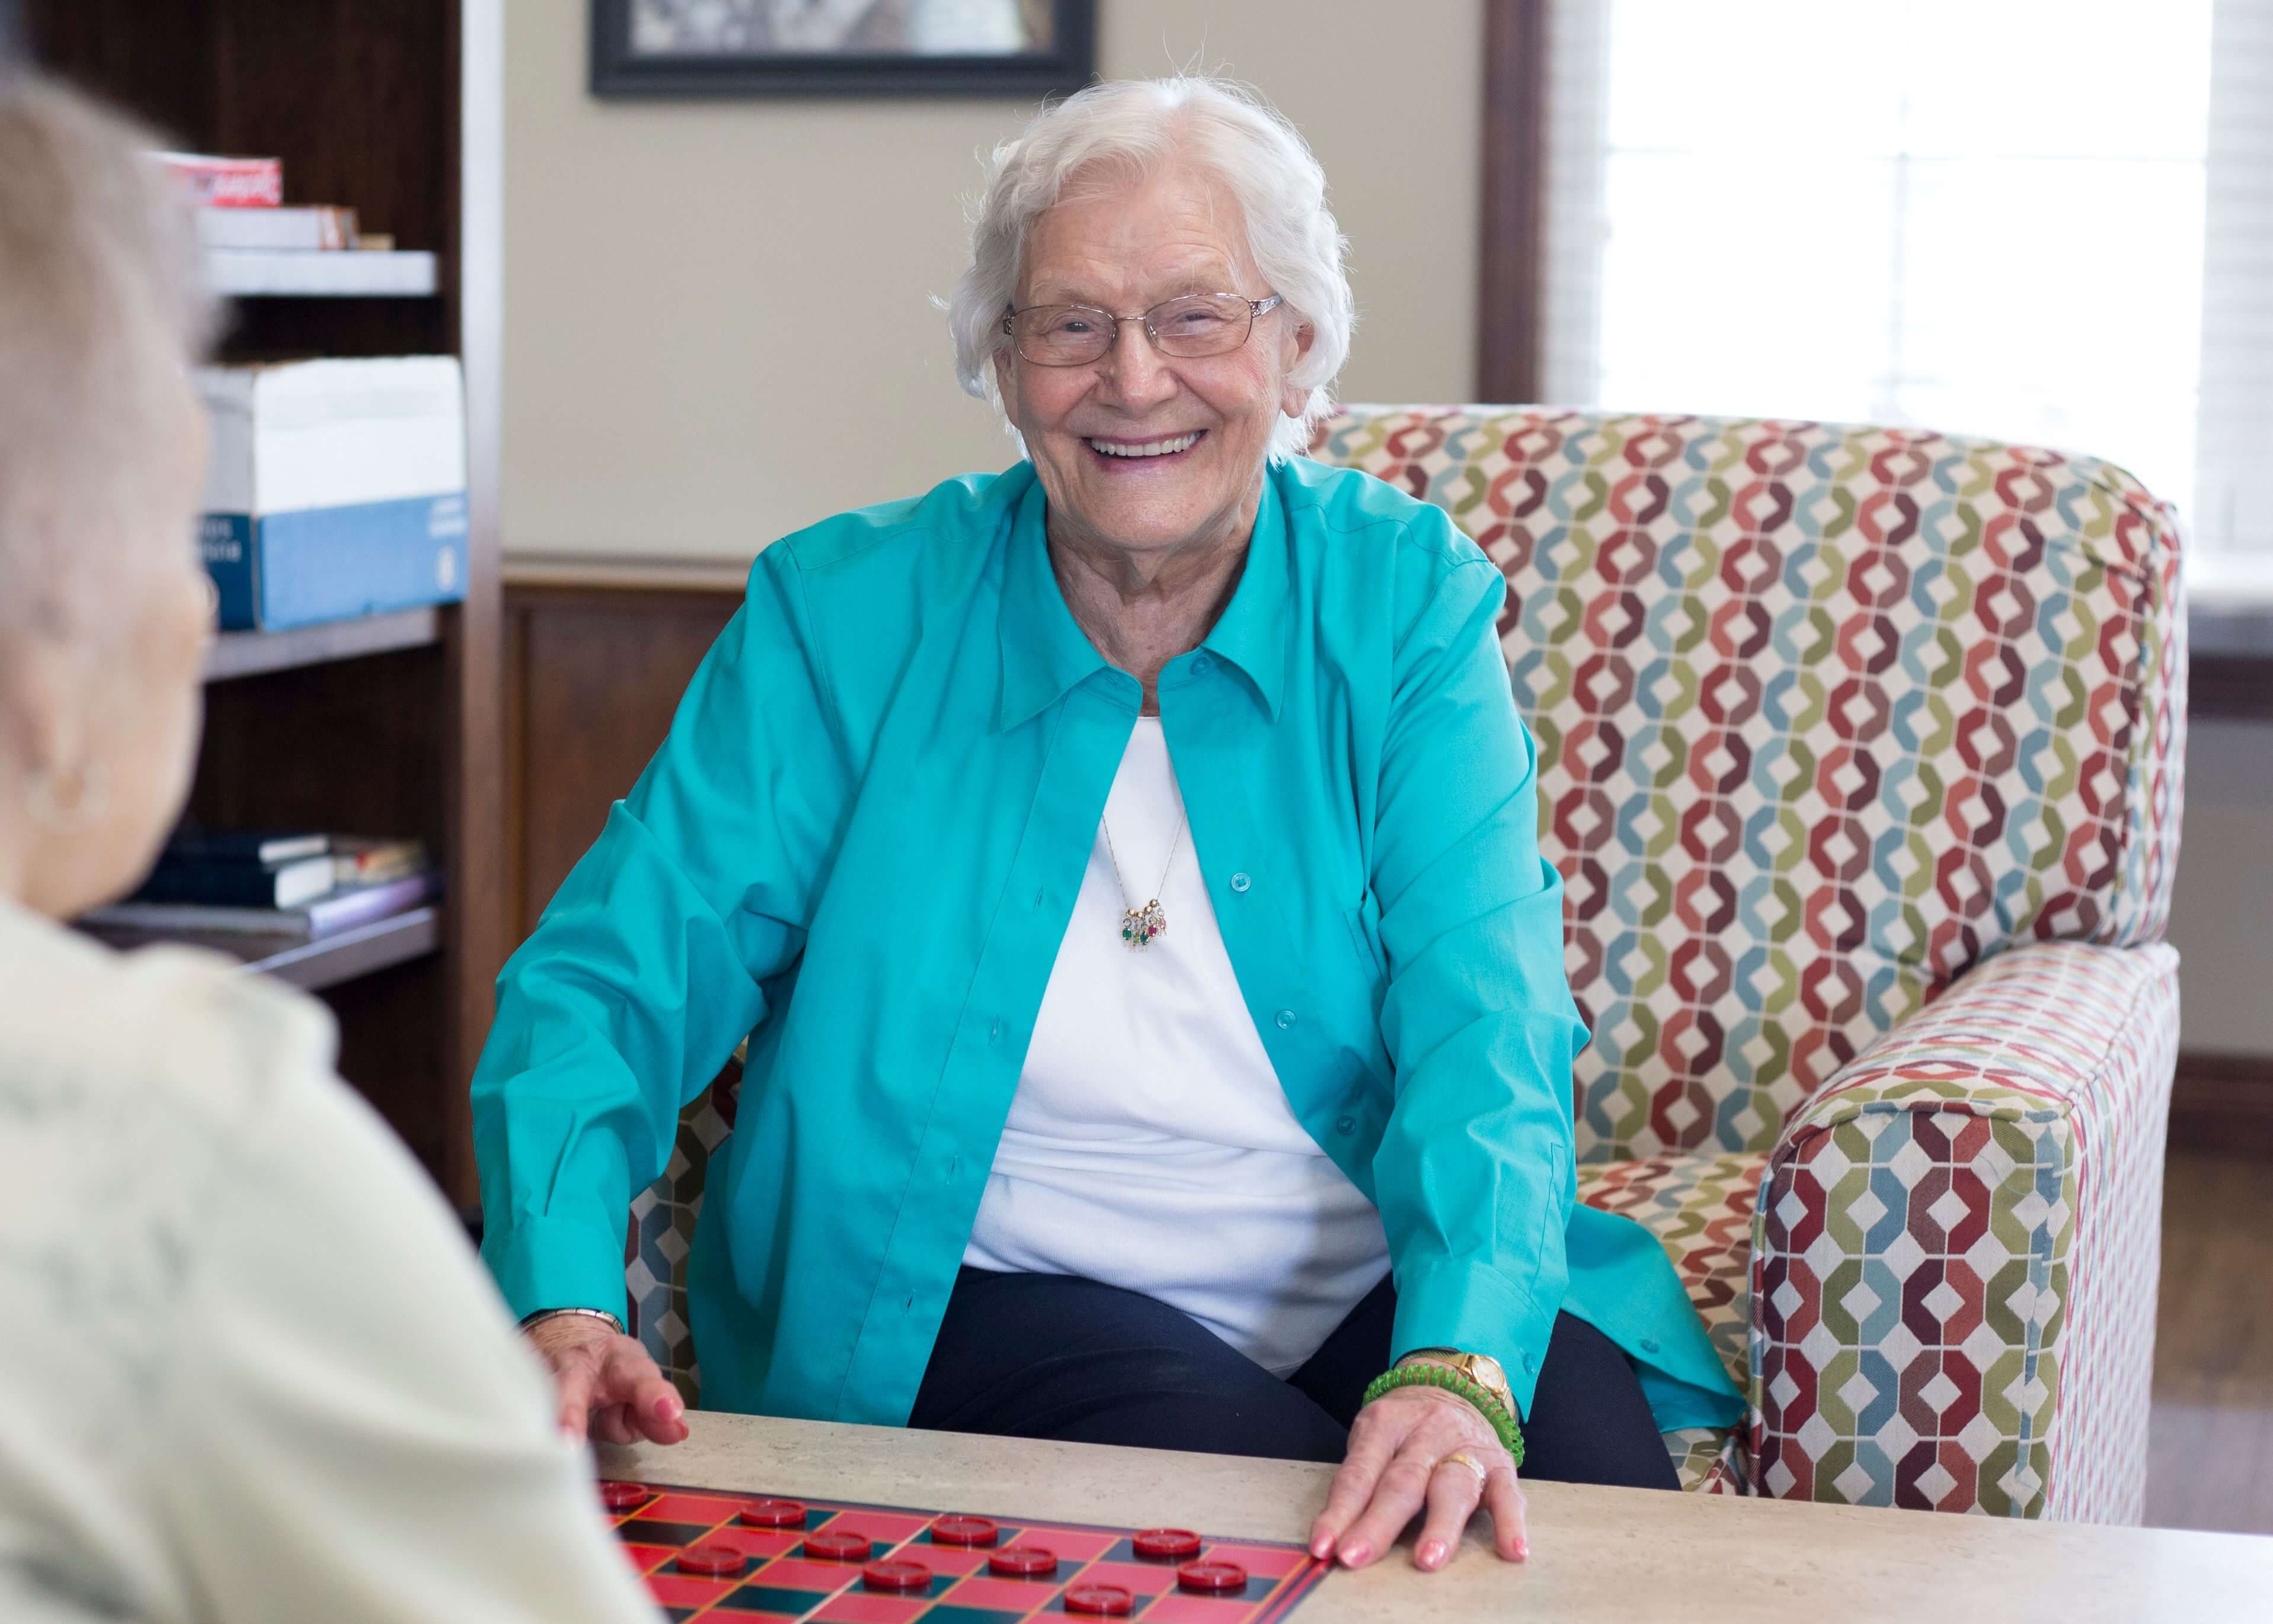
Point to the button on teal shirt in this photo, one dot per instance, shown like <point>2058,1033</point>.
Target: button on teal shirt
<point>860,845</point>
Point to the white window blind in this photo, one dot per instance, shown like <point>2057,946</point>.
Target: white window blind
<point>2045,220</point>
<point>2232,525</point>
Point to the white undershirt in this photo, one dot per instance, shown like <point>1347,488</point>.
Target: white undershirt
<point>1149,1145</point>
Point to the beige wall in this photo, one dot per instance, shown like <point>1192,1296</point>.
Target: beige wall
<point>717,315</point>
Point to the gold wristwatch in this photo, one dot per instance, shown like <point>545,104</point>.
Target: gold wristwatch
<point>1480,1368</point>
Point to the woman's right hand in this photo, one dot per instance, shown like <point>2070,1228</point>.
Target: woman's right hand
<point>608,1389</point>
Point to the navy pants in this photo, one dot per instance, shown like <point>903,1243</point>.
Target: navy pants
<point>1050,1356</point>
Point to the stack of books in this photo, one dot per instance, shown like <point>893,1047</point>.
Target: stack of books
<point>241,209</point>
<point>300,886</point>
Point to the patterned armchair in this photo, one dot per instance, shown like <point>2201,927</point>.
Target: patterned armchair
<point>1860,756</point>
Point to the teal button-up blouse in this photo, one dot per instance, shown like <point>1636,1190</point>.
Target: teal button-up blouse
<point>860,845</point>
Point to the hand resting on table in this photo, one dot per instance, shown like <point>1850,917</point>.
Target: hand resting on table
<point>1400,1464</point>
<point>608,1389</point>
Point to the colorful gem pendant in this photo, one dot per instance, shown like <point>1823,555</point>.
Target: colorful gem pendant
<point>1140,926</point>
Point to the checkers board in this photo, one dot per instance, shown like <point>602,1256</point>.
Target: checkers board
<point>671,1533</point>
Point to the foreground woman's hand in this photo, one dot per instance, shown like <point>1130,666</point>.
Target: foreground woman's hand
<point>1411,1450</point>
<point>608,1389</point>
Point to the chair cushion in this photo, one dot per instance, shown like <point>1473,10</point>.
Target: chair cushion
<point>1699,1208</point>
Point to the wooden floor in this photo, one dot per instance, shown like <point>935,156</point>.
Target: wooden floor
<point>2210,1443</point>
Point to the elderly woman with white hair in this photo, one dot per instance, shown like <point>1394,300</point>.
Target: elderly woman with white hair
<point>250,1370</point>
<point>1124,871</point>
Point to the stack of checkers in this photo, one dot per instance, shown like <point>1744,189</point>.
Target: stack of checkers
<point>715,1555</point>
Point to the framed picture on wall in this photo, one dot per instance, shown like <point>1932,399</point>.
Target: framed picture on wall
<point>1023,49</point>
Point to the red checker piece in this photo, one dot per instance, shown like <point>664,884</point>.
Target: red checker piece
<point>624,1496</point>
<point>1099,1600</point>
<point>773,1514</point>
<point>964,1531</point>
<point>896,1578</point>
<point>1213,1578</point>
<point>713,1560</point>
<point>1024,1562</point>
<point>832,1545</point>
<point>1166,1545</point>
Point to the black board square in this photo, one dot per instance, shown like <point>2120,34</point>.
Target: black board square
<point>642,1532</point>
<point>771,1598</point>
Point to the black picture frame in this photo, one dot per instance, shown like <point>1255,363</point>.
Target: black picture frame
<point>620,74</point>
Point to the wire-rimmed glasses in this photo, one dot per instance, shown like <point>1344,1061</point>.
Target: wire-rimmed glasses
<point>1197,325</point>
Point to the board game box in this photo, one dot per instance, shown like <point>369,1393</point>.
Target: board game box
<point>708,1553</point>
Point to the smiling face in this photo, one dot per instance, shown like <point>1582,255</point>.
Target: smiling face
<point>1147,455</point>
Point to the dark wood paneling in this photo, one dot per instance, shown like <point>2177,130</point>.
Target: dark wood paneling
<point>2223,1104</point>
<point>1514,165</point>
<point>594,675</point>
<point>154,60</point>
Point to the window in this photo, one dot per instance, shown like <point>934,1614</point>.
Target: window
<point>2046,220</point>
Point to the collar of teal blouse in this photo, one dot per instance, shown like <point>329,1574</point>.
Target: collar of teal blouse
<point>1045,651</point>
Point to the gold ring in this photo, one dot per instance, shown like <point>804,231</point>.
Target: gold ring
<point>1461,1457</point>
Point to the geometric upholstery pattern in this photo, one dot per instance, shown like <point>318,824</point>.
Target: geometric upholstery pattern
<point>1958,1244</point>
<point>662,1231</point>
<point>1861,755</point>
<point>1860,758</point>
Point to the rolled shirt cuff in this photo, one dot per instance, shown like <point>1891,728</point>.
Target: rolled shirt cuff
<point>1472,1308</point>
<point>557,1262</point>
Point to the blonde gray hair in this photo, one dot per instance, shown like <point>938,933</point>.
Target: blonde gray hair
<point>101,296</point>
<point>1135,126</point>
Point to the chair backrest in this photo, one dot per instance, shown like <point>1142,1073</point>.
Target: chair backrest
<point>1826,714</point>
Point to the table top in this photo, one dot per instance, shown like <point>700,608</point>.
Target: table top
<point>1613,1555</point>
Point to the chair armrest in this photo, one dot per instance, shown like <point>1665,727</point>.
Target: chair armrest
<point>1956,1246</point>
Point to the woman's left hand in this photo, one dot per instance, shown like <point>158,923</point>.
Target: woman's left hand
<point>1409,1450</point>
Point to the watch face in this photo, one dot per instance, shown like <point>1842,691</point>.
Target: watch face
<point>1485,1371</point>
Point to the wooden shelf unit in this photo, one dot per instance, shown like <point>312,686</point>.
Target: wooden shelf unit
<point>389,725</point>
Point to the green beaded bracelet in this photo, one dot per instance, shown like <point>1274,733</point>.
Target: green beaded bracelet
<point>1422,1374</point>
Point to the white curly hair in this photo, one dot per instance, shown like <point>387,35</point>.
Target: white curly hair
<point>1225,130</point>
<point>102,304</point>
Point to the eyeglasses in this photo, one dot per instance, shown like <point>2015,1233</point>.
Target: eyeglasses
<point>1198,324</point>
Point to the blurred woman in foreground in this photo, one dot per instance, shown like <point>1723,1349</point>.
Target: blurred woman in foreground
<point>248,1370</point>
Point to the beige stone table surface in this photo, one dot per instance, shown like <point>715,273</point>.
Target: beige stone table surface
<point>1618,1556</point>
